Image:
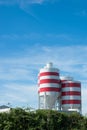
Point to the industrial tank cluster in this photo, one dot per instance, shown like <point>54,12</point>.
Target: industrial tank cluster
<point>56,92</point>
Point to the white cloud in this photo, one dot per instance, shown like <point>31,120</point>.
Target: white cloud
<point>35,1</point>
<point>60,36</point>
<point>48,37</point>
<point>19,94</point>
<point>24,69</point>
<point>81,13</point>
<point>24,36</point>
<point>24,2</point>
<point>25,5</point>
<point>69,59</point>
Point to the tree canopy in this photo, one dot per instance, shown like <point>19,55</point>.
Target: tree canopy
<point>22,119</point>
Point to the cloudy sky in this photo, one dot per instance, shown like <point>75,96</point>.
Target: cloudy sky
<point>33,33</point>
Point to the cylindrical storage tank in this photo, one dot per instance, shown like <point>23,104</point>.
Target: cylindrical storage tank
<point>49,86</point>
<point>70,94</point>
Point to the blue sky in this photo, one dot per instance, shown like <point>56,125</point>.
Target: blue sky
<point>33,33</point>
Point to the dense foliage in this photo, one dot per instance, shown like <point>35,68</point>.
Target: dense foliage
<point>20,119</point>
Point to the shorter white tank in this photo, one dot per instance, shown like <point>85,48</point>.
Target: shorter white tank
<point>70,94</point>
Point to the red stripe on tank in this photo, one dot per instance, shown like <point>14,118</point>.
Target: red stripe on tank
<point>49,73</point>
<point>71,85</point>
<point>49,89</point>
<point>71,101</point>
<point>71,93</point>
<point>49,81</point>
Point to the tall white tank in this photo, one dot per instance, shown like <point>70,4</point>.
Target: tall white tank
<point>48,87</point>
<point>70,94</point>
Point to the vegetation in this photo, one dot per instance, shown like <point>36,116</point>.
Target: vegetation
<point>20,119</point>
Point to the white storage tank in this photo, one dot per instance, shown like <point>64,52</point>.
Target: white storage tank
<point>48,87</point>
<point>70,94</point>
